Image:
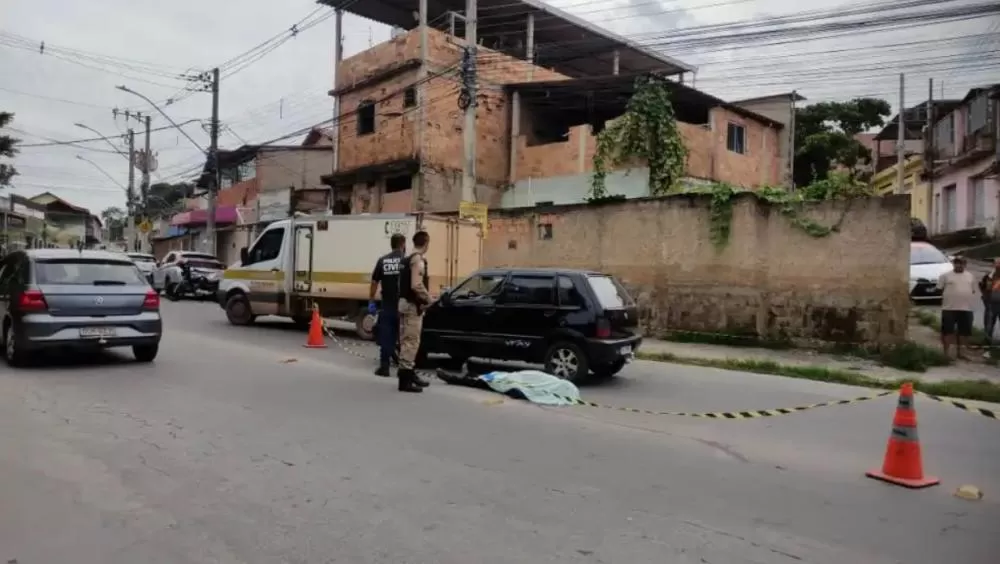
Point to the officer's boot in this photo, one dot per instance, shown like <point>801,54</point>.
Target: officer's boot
<point>420,381</point>
<point>382,370</point>
<point>406,383</point>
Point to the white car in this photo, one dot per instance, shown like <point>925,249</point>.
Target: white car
<point>146,264</point>
<point>168,273</point>
<point>927,264</point>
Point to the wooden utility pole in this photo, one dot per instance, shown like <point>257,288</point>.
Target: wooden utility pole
<point>216,173</point>
<point>467,102</point>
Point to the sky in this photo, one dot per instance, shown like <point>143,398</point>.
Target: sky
<point>72,79</point>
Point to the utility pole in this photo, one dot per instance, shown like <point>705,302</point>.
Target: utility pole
<point>929,155</point>
<point>213,156</point>
<point>901,142</point>
<point>130,192</point>
<point>147,165</point>
<point>467,102</point>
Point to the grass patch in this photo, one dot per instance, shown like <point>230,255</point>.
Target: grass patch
<point>981,390</point>
<point>912,357</point>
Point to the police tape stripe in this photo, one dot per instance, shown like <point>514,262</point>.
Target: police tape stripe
<point>754,414</point>
<point>731,415</point>
<point>964,407</point>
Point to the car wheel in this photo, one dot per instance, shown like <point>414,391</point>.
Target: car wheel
<point>566,360</point>
<point>145,353</point>
<point>12,353</point>
<point>172,292</point>
<point>364,324</point>
<point>238,310</point>
<point>609,370</point>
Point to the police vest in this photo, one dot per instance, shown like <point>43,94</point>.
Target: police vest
<point>405,276</point>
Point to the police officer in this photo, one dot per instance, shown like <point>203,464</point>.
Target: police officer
<point>386,274</point>
<point>413,299</point>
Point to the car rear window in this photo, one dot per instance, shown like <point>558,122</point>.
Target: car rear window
<point>87,272</point>
<point>609,292</point>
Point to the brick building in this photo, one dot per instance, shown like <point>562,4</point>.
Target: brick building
<point>398,143</point>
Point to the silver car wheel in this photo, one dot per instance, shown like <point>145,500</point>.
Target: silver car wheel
<point>565,364</point>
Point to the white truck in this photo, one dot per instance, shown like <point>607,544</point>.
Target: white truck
<point>332,257</point>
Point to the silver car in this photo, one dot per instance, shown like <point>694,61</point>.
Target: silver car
<point>63,298</point>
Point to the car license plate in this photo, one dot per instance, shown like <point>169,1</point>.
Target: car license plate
<point>97,331</point>
<point>625,351</point>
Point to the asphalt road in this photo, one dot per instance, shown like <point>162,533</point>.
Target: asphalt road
<point>227,451</point>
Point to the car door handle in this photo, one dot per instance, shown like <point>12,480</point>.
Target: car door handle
<point>549,313</point>
<point>275,270</point>
<point>489,310</point>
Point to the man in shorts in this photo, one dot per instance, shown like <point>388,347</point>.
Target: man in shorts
<point>960,293</point>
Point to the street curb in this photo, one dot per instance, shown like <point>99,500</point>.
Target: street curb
<point>714,363</point>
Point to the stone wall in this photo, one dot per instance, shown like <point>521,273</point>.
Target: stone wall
<point>771,280</point>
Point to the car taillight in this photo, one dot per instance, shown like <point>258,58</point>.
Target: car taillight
<point>603,328</point>
<point>32,300</point>
<point>152,301</point>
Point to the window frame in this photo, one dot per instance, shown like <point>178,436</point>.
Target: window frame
<point>496,289</point>
<point>572,282</point>
<point>736,144</point>
<point>553,291</point>
<point>365,106</point>
<point>260,242</point>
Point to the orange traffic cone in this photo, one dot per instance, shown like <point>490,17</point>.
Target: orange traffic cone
<point>315,339</point>
<point>903,464</point>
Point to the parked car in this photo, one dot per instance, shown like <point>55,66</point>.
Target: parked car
<point>927,264</point>
<point>169,272</point>
<point>146,263</point>
<point>573,322</point>
<point>62,298</point>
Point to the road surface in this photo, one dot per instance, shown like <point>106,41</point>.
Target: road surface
<point>224,451</point>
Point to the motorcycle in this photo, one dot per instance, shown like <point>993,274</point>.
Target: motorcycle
<point>195,284</point>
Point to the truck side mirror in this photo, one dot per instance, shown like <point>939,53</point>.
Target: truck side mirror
<point>244,256</point>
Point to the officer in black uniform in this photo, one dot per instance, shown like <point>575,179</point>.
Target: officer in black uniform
<point>386,274</point>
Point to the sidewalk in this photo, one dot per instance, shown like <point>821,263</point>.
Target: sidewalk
<point>957,371</point>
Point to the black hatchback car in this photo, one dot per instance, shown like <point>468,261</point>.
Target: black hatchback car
<point>573,322</point>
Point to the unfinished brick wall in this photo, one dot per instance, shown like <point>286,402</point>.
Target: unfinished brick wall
<point>771,280</point>
<point>394,135</point>
<point>708,157</point>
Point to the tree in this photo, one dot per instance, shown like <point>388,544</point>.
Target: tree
<point>824,137</point>
<point>8,148</point>
<point>114,220</point>
<point>166,199</point>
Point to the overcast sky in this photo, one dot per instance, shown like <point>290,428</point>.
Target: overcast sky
<point>286,89</point>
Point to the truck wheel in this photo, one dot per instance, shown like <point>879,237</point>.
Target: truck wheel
<point>238,310</point>
<point>364,324</point>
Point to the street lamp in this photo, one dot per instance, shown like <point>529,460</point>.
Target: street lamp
<point>102,136</point>
<point>162,113</point>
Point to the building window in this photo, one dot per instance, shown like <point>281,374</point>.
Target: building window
<point>398,184</point>
<point>978,114</point>
<point>410,97</point>
<point>736,138</point>
<point>366,117</point>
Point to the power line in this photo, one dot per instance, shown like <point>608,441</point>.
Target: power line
<point>95,139</point>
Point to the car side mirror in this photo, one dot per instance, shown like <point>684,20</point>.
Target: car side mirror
<point>445,296</point>
<point>244,256</point>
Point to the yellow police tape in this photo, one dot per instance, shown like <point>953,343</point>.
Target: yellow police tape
<point>990,414</point>
<point>730,415</point>
<point>753,414</point>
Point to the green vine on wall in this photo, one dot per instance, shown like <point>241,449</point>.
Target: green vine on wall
<point>647,131</point>
<point>789,204</point>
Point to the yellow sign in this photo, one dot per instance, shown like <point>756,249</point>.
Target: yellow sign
<point>145,226</point>
<point>474,211</point>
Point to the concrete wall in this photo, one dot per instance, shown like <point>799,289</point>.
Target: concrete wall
<point>771,279</point>
<point>277,170</point>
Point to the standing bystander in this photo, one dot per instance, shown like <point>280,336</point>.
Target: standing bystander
<point>958,298</point>
<point>989,286</point>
